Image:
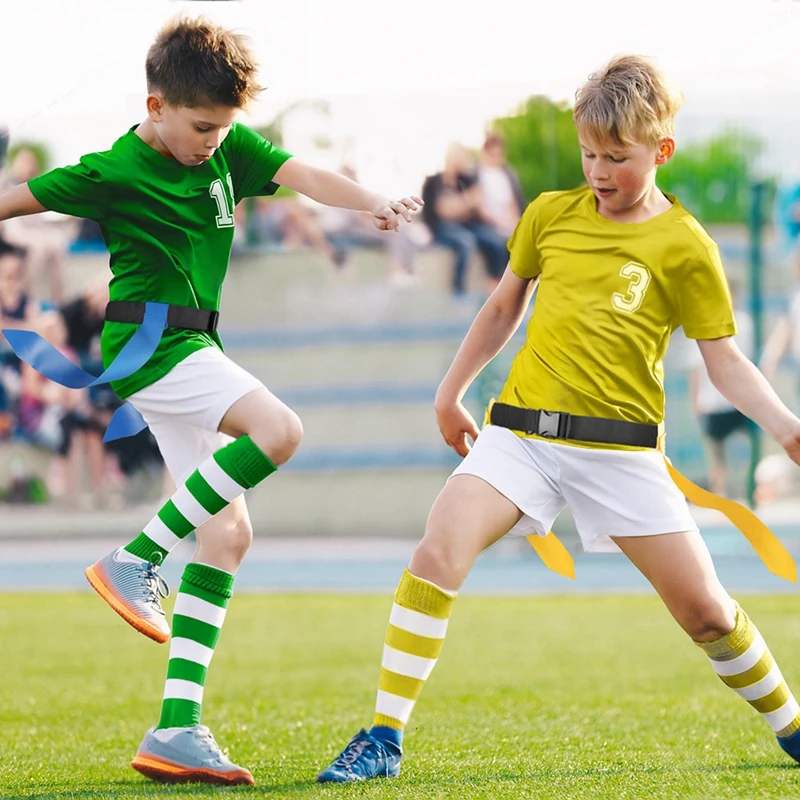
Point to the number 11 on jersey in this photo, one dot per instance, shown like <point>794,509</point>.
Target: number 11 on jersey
<point>224,205</point>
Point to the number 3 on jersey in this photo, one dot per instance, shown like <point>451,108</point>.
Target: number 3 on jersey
<point>638,280</point>
<point>224,206</point>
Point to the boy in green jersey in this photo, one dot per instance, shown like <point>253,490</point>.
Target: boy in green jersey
<point>164,196</point>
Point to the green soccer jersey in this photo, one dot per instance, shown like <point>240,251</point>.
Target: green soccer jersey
<point>168,229</point>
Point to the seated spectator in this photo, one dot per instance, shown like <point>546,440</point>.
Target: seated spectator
<point>84,317</point>
<point>502,200</point>
<point>17,310</point>
<point>60,419</point>
<point>116,461</point>
<point>284,223</point>
<point>346,230</point>
<point>452,212</point>
<point>45,237</point>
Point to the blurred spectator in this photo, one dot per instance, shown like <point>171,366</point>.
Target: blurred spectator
<point>788,221</point>
<point>89,238</point>
<point>718,418</point>
<point>347,230</point>
<point>3,145</point>
<point>284,223</point>
<point>452,212</point>
<point>84,317</point>
<point>785,336</point>
<point>776,479</point>
<point>45,237</point>
<point>502,199</point>
<point>53,416</point>
<point>17,310</point>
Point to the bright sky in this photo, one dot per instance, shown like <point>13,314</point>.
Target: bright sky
<point>404,79</point>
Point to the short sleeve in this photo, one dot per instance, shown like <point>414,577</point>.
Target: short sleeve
<point>524,255</point>
<point>704,299</point>
<point>254,161</point>
<point>78,191</point>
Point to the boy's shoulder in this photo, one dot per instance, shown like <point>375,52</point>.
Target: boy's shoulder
<point>239,136</point>
<point>696,236</point>
<point>105,160</point>
<point>548,205</point>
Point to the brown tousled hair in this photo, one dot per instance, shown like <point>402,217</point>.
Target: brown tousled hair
<point>194,62</point>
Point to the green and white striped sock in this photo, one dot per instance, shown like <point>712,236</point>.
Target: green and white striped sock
<point>196,625</point>
<point>218,481</point>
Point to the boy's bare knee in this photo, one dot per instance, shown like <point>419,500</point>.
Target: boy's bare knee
<point>224,543</point>
<point>279,436</point>
<point>439,563</point>
<point>240,537</point>
<point>227,547</point>
<point>709,619</point>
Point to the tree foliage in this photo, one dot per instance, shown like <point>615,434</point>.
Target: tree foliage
<point>711,177</point>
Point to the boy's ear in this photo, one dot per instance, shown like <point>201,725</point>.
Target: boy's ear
<point>155,107</point>
<point>666,149</point>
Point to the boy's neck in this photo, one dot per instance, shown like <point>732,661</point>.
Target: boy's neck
<point>147,133</point>
<point>652,203</point>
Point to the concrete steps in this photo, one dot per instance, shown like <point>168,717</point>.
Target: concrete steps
<point>360,361</point>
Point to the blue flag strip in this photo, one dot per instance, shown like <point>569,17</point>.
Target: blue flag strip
<point>31,348</point>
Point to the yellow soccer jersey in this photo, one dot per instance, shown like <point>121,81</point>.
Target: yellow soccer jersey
<point>610,295</point>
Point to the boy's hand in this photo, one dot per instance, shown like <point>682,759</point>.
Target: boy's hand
<point>791,444</point>
<point>456,424</point>
<point>386,216</point>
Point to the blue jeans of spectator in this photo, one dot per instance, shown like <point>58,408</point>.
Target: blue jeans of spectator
<point>464,239</point>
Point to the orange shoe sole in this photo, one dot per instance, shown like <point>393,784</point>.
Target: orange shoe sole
<point>166,772</point>
<point>97,578</point>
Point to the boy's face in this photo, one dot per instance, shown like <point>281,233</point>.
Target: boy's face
<point>191,135</point>
<point>621,175</point>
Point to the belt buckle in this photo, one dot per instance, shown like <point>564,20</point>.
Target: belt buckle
<point>213,321</point>
<point>549,424</point>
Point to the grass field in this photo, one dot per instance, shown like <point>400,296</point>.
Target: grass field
<point>573,697</point>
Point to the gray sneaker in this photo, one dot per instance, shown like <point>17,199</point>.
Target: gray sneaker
<point>189,756</point>
<point>134,590</point>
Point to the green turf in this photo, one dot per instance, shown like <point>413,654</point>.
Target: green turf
<point>575,697</point>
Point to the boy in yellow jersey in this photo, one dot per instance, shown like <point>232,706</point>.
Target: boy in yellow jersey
<point>619,266</point>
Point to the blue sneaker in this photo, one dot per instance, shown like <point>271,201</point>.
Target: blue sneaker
<point>791,745</point>
<point>364,757</point>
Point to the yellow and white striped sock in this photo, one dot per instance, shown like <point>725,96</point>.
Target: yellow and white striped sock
<point>743,661</point>
<point>414,638</point>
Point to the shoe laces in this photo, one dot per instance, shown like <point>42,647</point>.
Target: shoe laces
<point>157,586</point>
<point>358,744</point>
<point>206,740</point>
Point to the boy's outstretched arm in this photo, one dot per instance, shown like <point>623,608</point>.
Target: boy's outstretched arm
<point>19,202</point>
<point>741,383</point>
<point>333,189</point>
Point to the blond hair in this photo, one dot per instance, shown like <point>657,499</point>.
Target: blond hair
<point>194,62</point>
<point>627,101</point>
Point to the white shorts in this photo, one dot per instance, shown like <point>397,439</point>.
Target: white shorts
<point>610,492</point>
<point>184,409</point>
